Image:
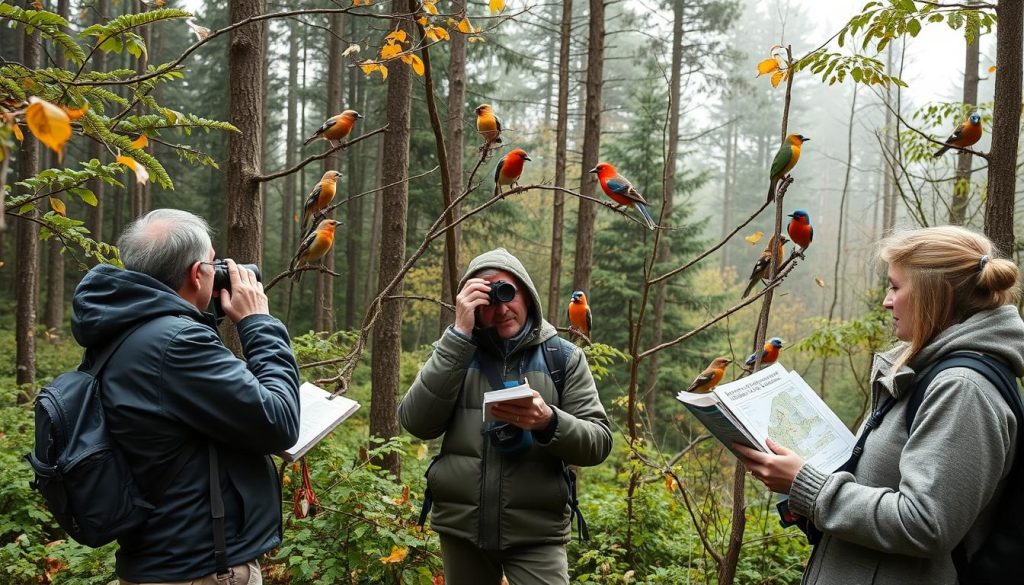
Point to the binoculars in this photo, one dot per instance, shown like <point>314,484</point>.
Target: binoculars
<point>222,278</point>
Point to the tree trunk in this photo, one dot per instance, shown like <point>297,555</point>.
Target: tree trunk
<point>323,310</point>
<point>96,150</point>
<point>354,241</point>
<point>288,240</point>
<point>728,186</point>
<point>591,147</point>
<point>561,146</point>
<point>245,99</point>
<point>387,334</point>
<point>140,192</point>
<point>889,185</point>
<point>27,251</point>
<point>669,188</point>
<point>962,184</point>
<point>456,148</point>
<point>1002,163</point>
<point>53,311</point>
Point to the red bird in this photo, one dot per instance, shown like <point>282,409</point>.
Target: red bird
<point>336,127</point>
<point>509,168</point>
<point>622,191</point>
<point>319,198</point>
<point>799,229</point>
<point>966,134</point>
<point>769,354</point>
<point>579,313</point>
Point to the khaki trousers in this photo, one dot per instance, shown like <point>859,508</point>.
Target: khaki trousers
<point>246,574</point>
<point>465,564</point>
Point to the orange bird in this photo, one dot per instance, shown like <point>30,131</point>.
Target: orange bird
<point>320,197</point>
<point>487,124</point>
<point>336,127</point>
<point>316,244</point>
<point>622,191</point>
<point>509,168</point>
<point>710,377</point>
<point>769,353</point>
<point>763,265</point>
<point>799,229</point>
<point>579,313</point>
<point>966,134</point>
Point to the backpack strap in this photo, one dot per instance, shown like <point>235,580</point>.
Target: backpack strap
<point>220,555</point>
<point>556,357</point>
<point>100,362</point>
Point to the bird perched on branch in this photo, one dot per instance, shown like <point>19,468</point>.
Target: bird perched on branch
<point>763,265</point>
<point>799,229</point>
<point>769,353</point>
<point>579,314</point>
<point>488,125</point>
<point>315,245</point>
<point>622,191</point>
<point>509,168</point>
<point>336,127</point>
<point>785,159</point>
<point>710,377</point>
<point>319,198</point>
<point>966,134</point>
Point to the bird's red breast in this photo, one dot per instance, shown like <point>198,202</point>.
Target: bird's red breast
<point>578,315</point>
<point>342,126</point>
<point>970,134</point>
<point>771,353</point>
<point>512,166</point>
<point>800,232</point>
<point>322,242</point>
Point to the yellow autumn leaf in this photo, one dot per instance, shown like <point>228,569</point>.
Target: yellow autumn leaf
<point>992,69</point>
<point>754,237</point>
<point>818,281</point>
<point>497,6</point>
<point>777,77</point>
<point>398,35</point>
<point>286,480</point>
<point>404,498</point>
<point>38,5</point>
<point>423,21</point>
<point>58,207</point>
<point>416,63</point>
<point>49,123</point>
<point>141,174</point>
<point>476,39</point>
<point>437,33</point>
<point>767,66</point>
<point>421,451</point>
<point>390,51</point>
<point>76,113</point>
<point>141,141</point>
<point>398,554</point>
<point>670,483</point>
<point>464,26</point>
<point>430,7</point>
<point>17,133</point>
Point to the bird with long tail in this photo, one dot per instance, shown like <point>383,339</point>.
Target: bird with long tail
<point>336,127</point>
<point>315,245</point>
<point>763,265</point>
<point>784,161</point>
<point>966,134</point>
<point>319,198</point>
<point>622,191</point>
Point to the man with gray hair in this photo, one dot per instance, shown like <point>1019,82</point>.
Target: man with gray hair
<point>176,398</point>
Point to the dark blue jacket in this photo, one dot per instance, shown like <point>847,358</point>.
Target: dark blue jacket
<point>173,381</point>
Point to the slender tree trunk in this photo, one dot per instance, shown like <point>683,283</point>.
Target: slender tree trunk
<point>354,235</point>
<point>1002,163</point>
<point>591,147</point>
<point>728,187</point>
<point>456,148</point>
<point>27,251</point>
<point>288,240</point>
<point>376,222</point>
<point>53,311</point>
<point>889,185</point>
<point>96,150</point>
<point>387,334</point>
<point>962,185</point>
<point>561,146</point>
<point>669,188</point>
<point>323,311</point>
<point>140,192</point>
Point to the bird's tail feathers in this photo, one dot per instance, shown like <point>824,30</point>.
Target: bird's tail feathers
<point>646,215</point>
<point>750,287</point>
<point>310,139</point>
<point>941,151</point>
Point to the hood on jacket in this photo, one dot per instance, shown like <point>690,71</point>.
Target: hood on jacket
<point>110,300</point>
<point>502,259</point>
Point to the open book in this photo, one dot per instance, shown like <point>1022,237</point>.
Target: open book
<point>778,404</point>
<point>521,395</point>
<point>319,414</point>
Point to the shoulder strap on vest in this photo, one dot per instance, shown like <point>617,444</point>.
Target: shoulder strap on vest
<point>556,358</point>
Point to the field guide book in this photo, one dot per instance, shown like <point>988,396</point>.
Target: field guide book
<point>319,414</point>
<point>778,404</point>
<point>521,395</point>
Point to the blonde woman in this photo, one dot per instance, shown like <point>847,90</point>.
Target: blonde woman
<point>916,499</point>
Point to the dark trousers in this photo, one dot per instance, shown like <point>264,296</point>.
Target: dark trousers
<point>466,564</point>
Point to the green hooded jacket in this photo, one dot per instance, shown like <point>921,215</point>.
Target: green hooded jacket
<point>496,500</point>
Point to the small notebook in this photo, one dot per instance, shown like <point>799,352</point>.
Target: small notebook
<point>521,395</point>
<point>319,414</point>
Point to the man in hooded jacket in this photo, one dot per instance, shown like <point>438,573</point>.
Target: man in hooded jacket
<point>501,501</point>
<point>173,385</point>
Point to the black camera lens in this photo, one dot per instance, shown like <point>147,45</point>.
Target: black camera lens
<point>502,292</point>
<point>222,278</point>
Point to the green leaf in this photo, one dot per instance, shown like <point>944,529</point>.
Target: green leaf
<point>907,5</point>
<point>913,27</point>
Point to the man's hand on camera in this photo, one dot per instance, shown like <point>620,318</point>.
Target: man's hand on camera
<point>475,293</point>
<point>534,417</point>
<point>246,296</point>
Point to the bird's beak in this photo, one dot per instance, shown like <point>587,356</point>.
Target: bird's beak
<point>358,115</point>
<point>792,215</point>
<point>807,139</point>
<point>527,158</point>
<point>593,170</point>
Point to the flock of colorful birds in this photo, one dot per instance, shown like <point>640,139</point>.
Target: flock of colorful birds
<point>316,242</point>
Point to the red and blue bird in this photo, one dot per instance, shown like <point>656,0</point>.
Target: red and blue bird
<point>800,231</point>
<point>622,191</point>
<point>769,353</point>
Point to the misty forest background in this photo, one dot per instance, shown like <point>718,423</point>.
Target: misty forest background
<point>667,91</point>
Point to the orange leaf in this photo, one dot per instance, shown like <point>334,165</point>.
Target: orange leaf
<point>38,5</point>
<point>767,66</point>
<point>390,51</point>
<point>401,500</point>
<point>497,6</point>
<point>141,174</point>
<point>670,483</point>
<point>777,77</point>
<point>49,123</point>
<point>398,35</point>
<point>423,21</point>
<point>397,555</point>
<point>76,113</point>
<point>464,26</point>
<point>992,69</point>
<point>416,63</point>
<point>141,141</point>
<point>18,133</point>
<point>430,6</point>
<point>58,207</point>
<point>437,33</point>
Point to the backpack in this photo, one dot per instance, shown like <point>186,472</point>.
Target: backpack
<point>555,352</point>
<point>82,475</point>
<point>998,559</point>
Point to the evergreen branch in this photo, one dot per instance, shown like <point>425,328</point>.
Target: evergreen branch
<point>123,24</point>
<point>49,26</point>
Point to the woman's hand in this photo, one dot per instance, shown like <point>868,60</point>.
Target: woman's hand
<point>777,470</point>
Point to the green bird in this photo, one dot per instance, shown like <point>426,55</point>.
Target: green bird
<point>785,159</point>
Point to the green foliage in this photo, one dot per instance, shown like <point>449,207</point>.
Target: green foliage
<point>881,23</point>
<point>835,67</point>
<point>600,356</point>
<point>49,26</point>
<point>944,116</point>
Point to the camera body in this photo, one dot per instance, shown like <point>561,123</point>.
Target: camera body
<point>501,292</point>
<point>222,278</point>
